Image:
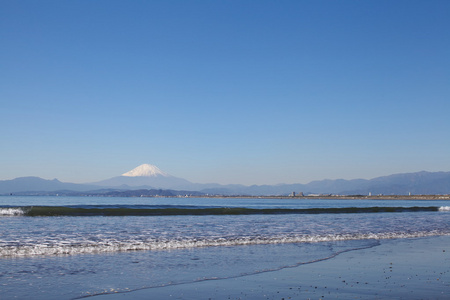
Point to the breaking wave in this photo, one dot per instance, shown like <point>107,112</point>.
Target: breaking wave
<point>8,212</point>
<point>110,246</point>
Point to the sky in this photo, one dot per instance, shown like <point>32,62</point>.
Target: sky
<point>249,92</point>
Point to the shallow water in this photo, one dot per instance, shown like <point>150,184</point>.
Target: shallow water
<point>79,276</point>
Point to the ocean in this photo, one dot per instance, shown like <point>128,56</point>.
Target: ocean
<point>82,247</point>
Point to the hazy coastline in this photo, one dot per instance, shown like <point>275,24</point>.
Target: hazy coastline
<point>339,197</point>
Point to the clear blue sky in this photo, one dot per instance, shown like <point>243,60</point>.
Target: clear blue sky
<point>251,92</point>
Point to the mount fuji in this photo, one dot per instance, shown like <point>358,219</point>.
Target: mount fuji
<point>145,170</point>
<point>145,176</point>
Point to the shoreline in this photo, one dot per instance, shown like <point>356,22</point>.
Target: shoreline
<point>415,268</point>
<point>336,197</point>
<point>320,197</point>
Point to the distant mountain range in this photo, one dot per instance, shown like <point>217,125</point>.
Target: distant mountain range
<point>150,178</point>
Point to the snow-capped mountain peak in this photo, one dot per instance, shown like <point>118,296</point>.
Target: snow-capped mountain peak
<point>145,170</point>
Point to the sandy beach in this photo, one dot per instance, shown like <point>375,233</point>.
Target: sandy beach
<point>416,268</point>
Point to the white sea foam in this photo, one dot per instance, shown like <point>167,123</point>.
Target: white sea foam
<point>109,246</point>
<point>8,212</point>
<point>444,208</point>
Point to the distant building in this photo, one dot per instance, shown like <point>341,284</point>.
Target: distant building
<point>294,194</point>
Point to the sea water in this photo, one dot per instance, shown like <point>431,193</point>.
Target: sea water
<point>76,247</point>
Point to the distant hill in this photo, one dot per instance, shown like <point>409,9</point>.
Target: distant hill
<point>22,184</point>
<point>398,184</point>
<point>419,183</point>
<point>149,177</point>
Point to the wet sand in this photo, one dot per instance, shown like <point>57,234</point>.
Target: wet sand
<point>396,269</point>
